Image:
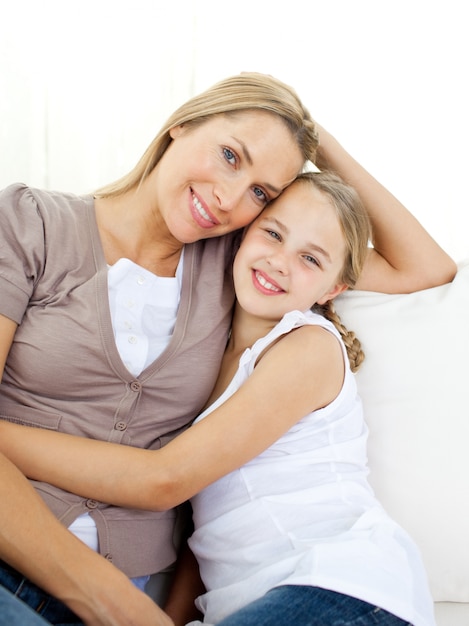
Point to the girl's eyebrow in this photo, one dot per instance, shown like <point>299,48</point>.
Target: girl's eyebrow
<point>273,220</point>
<point>281,226</point>
<point>321,251</point>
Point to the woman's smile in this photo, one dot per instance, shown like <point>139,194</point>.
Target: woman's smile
<point>218,176</point>
<point>201,213</point>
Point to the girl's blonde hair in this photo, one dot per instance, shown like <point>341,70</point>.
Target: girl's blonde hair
<point>245,91</point>
<point>356,228</point>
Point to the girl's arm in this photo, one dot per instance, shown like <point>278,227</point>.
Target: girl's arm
<point>186,587</point>
<point>404,256</point>
<point>307,367</point>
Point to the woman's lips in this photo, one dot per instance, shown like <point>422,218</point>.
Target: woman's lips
<point>201,214</point>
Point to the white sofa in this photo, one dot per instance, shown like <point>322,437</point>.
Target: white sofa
<point>415,386</point>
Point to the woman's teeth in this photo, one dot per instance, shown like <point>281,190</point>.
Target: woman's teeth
<point>200,209</point>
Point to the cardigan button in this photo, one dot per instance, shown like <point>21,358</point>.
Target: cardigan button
<point>91,504</point>
<point>120,426</point>
<point>135,386</point>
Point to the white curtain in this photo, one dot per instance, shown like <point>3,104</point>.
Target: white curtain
<point>85,85</point>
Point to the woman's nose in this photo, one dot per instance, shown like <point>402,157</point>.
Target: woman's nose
<point>229,194</point>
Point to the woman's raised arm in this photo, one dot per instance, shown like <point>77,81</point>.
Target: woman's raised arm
<point>404,257</point>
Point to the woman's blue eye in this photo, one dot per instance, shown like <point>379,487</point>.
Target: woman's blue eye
<point>259,193</point>
<point>230,156</point>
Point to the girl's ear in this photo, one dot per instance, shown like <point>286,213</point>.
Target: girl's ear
<point>333,293</point>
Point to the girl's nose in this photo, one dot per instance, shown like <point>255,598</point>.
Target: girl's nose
<point>279,262</point>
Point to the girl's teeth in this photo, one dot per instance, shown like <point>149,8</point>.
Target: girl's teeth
<point>265,283</point>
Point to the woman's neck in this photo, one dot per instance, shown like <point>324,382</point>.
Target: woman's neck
<point>130,227</point>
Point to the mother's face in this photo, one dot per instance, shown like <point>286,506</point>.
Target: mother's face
<point>217,177</point>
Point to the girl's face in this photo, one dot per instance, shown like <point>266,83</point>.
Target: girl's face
<point>292,255</point>
<point>218,176</point>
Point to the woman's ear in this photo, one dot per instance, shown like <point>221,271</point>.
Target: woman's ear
<point>333,293</point>
<point>176,131</point>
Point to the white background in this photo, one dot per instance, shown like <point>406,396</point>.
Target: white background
<point>84,86</point>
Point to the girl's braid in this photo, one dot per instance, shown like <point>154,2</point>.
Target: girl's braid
<point>352,344</point>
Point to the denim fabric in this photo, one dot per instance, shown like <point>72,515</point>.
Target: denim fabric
<point>14,612</point>
<point>299,605</point>
<point>51,610</point>
<point>140,582</point>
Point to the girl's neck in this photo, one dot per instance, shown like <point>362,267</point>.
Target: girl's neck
<point>246,329</point>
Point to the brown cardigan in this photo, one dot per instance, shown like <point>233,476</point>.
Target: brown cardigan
<point>64,371</point>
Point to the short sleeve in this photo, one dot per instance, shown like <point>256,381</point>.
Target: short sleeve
<point>22,249</point>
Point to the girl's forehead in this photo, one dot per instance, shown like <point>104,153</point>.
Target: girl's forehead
<point>299,194</point>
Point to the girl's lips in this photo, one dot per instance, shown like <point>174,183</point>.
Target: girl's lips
<point>201,214</point>
<point>264,284</point>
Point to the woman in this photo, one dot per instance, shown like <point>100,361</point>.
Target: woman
<point>287,529</point>
<point>106,303</point>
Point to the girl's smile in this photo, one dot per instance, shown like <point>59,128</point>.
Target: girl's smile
<point>265,284</point>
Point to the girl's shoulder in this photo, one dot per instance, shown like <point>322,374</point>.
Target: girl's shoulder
<point>293,321</point>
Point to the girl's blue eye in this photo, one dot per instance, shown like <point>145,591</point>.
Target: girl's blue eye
<point>311,259</point>
<point>230,156</point>
<point>273,234</point>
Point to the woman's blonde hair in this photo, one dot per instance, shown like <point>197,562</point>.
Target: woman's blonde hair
<point>356,228</point>
<point>245,91</point>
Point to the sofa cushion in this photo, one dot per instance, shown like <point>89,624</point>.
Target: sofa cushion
<point>414,384</point>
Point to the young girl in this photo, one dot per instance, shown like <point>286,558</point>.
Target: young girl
<point>296,536</point>
<point>287,529</point>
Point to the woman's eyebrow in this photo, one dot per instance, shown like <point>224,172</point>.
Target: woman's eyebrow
<point>248,158</point>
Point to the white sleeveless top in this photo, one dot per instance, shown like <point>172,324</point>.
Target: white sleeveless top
<point>303,513</point>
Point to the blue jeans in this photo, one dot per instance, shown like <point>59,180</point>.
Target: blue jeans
<point>52,611</point>
<point>13,611</point>
<point>300,605</point>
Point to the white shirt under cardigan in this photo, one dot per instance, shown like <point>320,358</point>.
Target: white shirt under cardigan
<point>302,513</point>
<point>143,310</point>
